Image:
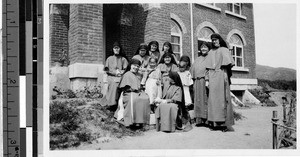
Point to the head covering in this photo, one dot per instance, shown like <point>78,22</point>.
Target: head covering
<point>182,109</point>
<point>170,46</point>
<point>185,58</point>
<point>133,61</point>
<point>154,43</point>
<point>168,54</point>
<point>116,43</point>
<point>175,76</point>
<point>217,36</point>
<point>207,44</point>
<point>142,46</point>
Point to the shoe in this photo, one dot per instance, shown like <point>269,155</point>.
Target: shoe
<point>214,128</point>
<point>179,128</point>
<point>200,125</point>
<point>187,128</point>
<point>228,129</point>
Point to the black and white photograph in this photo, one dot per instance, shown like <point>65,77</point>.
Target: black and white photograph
<point>181,76</point>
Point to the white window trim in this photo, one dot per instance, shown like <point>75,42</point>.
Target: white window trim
<point>242,56</point>
<point>240,69</point>
<point>235,14</point>
<point>180,42</point>
<point>210,6</point>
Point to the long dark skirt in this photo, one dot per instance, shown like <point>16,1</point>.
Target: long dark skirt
<point>137,108</point>
<point>200,99</point>
<point>219,100</point>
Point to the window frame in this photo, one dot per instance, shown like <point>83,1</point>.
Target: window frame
<point>204,39</point>
<point>177,35</point>
<point>213,7</point>
<point>231,11</point>
<point>233,47</point>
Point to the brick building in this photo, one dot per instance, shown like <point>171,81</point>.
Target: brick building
<point>86,32</point>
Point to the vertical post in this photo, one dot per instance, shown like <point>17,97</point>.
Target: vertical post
<point>192,32</point>
<point>284,113</point>
<point>284,102</point>
<point>274,120</point>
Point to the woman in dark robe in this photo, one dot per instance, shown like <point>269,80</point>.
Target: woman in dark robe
<point>219,63</point>
<point>198,71</point>
<point>142,54</point>
<point>171,112</point>
<point>136,102</point>
<point>167,64</point>
<point>115,67</point>
<point>167,48</point>
<point>154,49</point>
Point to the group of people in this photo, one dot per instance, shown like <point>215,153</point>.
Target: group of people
<point>170,87</point>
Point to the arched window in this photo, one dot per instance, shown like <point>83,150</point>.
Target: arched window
<point>237,50</point>
<point>176,39</point>
<point>204,35</point>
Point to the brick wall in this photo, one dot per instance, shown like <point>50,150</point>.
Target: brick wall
<point>158,23</point>
<point>182,11</point>
<point>132,24</point>
<point>59,26</point>
<point>85,33</point>
<point>132,31</point>
<point>225,23</point>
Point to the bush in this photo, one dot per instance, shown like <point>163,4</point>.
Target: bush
<point>66,126</point>
<point>87,92</point>
<point>238,116</point>
<point>279,84</point>
<point>73,122</point>
<point>263,96</point>
<point>60,111</point>
<point>70,94</point>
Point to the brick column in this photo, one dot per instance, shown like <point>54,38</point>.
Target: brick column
<point>59,26</point>
<point>158,23</point>
<point>85,44</point>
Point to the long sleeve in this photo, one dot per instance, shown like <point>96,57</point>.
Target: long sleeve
<point>109,65</point>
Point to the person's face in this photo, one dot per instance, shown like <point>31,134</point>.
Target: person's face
<point>166,48</point>
<point>142,52</point>
<point>204,49</point>
<point>216,42</point>
<point>134,68</point>
<point>182,66</point>
<point>167,60</point>
<point>116,50</point>
<point>152,63</point>
<point>153,47</point>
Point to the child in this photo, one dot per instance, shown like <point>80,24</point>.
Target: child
<point>152,81</point>
<point>186,78</point>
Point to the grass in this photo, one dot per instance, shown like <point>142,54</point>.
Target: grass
<point>82,120</point>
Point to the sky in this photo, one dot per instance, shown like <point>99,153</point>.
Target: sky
<point>275,34</point>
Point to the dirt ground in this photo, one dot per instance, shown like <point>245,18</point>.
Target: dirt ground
<point>252,132</point>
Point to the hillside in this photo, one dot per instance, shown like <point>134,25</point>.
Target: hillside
<point>270,73</point>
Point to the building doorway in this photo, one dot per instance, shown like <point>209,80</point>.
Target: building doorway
<point>111,27</point>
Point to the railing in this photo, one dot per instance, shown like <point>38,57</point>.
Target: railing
<point>287,136</point>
